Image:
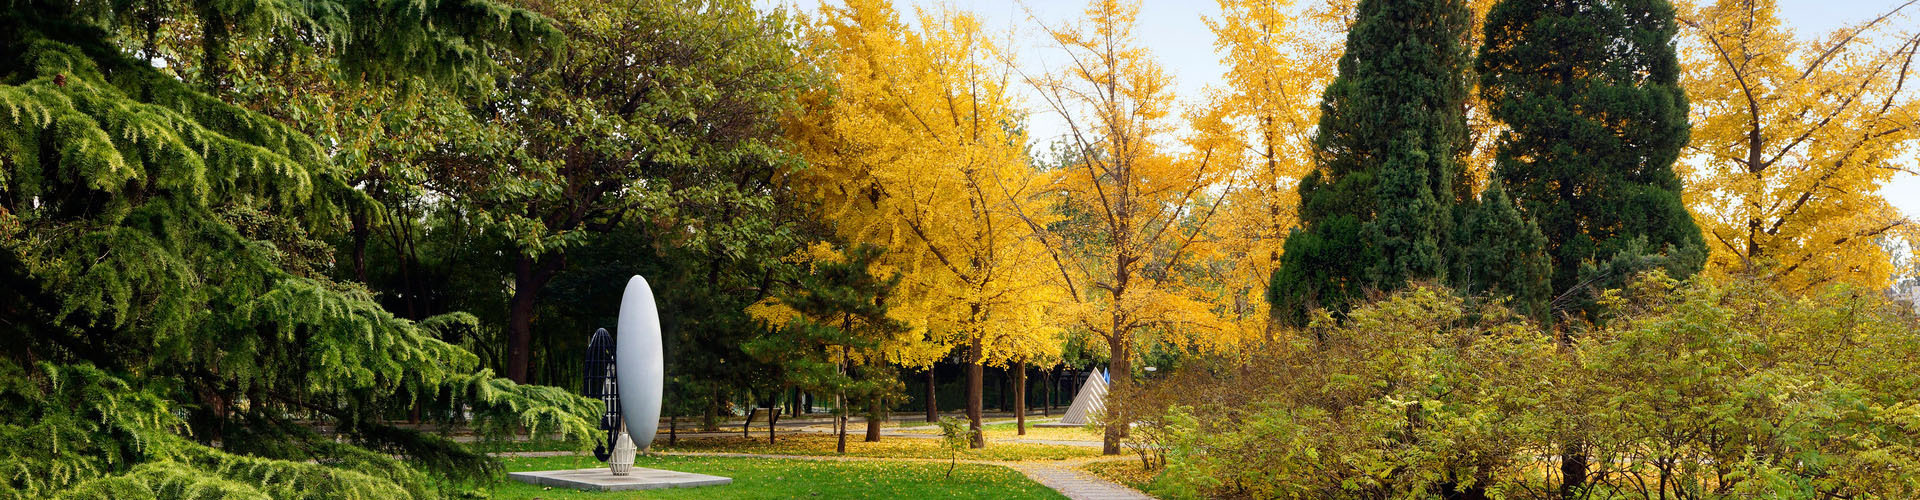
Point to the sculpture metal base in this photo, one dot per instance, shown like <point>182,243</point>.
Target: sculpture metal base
<point>601,479</point>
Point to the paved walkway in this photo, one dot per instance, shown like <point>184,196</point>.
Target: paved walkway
<point>1076,484</point>
<point>1063,476</point>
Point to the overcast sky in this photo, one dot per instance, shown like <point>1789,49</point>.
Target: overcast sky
<point>1173,31</point>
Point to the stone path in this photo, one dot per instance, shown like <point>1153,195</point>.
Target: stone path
<point>1077,484</point>
<point>1063,476</point>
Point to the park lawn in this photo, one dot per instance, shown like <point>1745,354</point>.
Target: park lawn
<point>530,445</point>
<point>755,478</point>
<point>890,447</point>
<point>1005,430</point>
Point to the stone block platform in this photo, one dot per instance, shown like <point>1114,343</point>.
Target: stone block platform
<point>601,479</point>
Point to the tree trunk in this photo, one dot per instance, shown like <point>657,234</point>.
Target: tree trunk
<point>359,246</point>
<point>746,428</point>
<point>1120,373</point>
<point>933,401</point>
<point>875,416</point>
<point>529,275</point>
<point>840,416</point>
<point>1001,384</point>
<point>1046,379</point>
<point>673,431</point>
<point>974,375</point>
<point>710,422</point>
<point>1020,397</point>
<point>773,417</point>
<point>519,334</point>
<point>1573,470</point>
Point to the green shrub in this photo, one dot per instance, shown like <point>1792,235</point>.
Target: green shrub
<point>1699,389</point>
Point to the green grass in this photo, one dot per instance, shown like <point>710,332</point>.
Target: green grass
<point>530,445</point>
<point>756,478</point>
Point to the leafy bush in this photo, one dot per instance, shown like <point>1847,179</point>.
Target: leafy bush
<point>1697,389</point>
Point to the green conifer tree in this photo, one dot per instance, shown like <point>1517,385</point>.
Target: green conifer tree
<point>1589,91</point>
<point>1378,210</point>
<point>173,296</point>
<point>832,343</point>
<point>1503,254</point>
<point>1595,116</point>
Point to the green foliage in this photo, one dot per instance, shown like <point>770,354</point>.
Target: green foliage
<point>1589,91</point>
<point>175,296</point>
<point>1503,254</point>
<point>1377,211</point>
<point>832,342</point>
<point>955,436</point>
<point>657,113</point>
<point>1694,389</point>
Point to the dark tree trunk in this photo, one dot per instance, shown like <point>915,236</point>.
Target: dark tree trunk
<point>746,428</point>
<point>710,422</point>
<point>1119,372</point>
<point>933,401</point>
<point>1573,471</point>
<point>974,376</point>
<point>1020,397</point>
<point>1046,379</point>
<point>875,416</point>
<point>840,417</point>
<point>673,431</point>
<point>529,275</point>
<point>359,250</point>
<point>773,417</point>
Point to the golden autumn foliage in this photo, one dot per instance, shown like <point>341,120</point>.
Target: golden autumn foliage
<point>918,152</point>
<point>1279,57</point>
<point>1137,191</point>
<point>1793,139</point>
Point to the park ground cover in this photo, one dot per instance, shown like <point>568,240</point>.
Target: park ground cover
<point>756,478</point>
<point>892,447</point>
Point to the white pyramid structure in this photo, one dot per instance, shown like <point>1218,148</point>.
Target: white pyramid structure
<point>1092,400</point>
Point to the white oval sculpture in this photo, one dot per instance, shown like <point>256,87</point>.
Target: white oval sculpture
<point>640,362</point>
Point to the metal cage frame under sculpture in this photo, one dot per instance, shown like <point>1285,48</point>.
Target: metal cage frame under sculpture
<point>602,381</point>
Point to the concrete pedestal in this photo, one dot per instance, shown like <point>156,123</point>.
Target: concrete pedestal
<point>601,479</point>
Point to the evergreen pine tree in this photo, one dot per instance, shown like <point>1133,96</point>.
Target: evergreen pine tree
<point>834,332</point>
<point>1589,92</point>
<point>1378,210</point>
<point>1503,254</point>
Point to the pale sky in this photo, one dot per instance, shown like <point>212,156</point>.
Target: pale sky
<point>1172,30</point>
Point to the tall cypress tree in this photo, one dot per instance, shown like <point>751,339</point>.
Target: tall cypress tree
<point>1596,117</point>
<point>1502,253</point>
<point>1378,210</point>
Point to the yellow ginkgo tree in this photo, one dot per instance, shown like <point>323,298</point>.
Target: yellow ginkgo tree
<point>1279,56</point>
<point>918,150</point>
<point>1138,196</point>
<point>1793,139</point>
